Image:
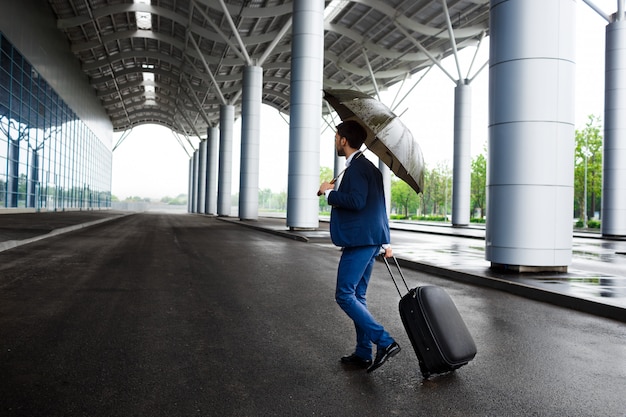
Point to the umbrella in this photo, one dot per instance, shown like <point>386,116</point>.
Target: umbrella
<point>387,137</point>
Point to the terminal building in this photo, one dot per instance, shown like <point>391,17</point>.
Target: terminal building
<point>73,73</point>
<point>55,142</point>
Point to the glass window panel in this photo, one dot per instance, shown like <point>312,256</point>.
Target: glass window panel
<point>53,160</point>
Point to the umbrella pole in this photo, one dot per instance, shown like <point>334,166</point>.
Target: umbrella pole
<point>334,180</point>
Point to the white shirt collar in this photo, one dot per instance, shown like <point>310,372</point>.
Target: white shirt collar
<point>351,157</point>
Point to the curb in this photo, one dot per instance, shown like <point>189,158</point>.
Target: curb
<point>522,290</point>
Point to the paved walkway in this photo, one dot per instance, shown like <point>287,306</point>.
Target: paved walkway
<point>595,282</point>
<point>165,316</point>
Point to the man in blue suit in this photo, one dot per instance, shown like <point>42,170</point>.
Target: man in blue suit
<point>359,224</point>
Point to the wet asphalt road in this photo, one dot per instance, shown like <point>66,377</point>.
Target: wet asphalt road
<point>184,315</point>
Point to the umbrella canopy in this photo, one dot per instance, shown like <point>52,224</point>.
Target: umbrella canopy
<point>387,137</point>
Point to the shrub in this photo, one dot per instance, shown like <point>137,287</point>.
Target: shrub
<point>397,217</point>
<point>594,224</point>
<point>591,224</point>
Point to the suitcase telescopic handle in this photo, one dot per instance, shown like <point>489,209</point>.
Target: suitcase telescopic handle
<point>393,278</point>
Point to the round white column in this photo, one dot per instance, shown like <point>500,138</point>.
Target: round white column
<point>202,177</point>
<point>250,143</point>
<point>212,161</point>
<point>307,58</point>
<point>614,149</point>
<point>462,167</point>
<point>530,184</point>
<point>224,185</point>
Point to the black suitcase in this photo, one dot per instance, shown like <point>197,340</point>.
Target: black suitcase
<point>437,331</point>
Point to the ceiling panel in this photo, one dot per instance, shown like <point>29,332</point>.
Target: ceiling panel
<point>197,65</point>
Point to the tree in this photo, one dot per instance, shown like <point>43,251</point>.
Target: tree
<point>136,199</point>
<point>403,197</point>
<point>281,200</point>
<point>326,174</point>
<point>588,164</point>
<point>180,200</point>
<point>479,185</point>
<point>265,198</point>
<point>269,200</point>
<point>437,190</point>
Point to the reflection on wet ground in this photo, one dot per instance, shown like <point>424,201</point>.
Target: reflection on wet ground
<point>597,272</point>
<point>596,279</point>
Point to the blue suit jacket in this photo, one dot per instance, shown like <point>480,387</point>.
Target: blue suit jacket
<point>359,215</point>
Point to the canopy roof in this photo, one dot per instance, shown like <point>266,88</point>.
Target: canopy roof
<point>174,62</point>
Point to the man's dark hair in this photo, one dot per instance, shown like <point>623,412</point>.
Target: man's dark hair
<point>353,132</point>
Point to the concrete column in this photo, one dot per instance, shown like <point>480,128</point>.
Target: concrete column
<point>614,150</point>
<point>201,207</point>
<point>462,166</point>
<point>194,183</point>
<point>227,120</point>
<point>307,57</point>
<point>530,184</point>
<point>211,171</point>
<point>190,187</point>
<point>250,143</point>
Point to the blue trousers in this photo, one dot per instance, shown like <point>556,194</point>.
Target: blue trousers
<point>353,276</point>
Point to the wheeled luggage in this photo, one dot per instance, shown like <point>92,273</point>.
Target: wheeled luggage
<point>437,331</point>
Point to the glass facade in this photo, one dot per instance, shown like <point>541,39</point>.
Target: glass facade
<point>49,159</point>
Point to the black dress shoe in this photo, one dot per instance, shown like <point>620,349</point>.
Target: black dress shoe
<point>356,361</point>
<point>383,354</point>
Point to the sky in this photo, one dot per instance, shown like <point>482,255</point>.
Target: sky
<point>151,163</point>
